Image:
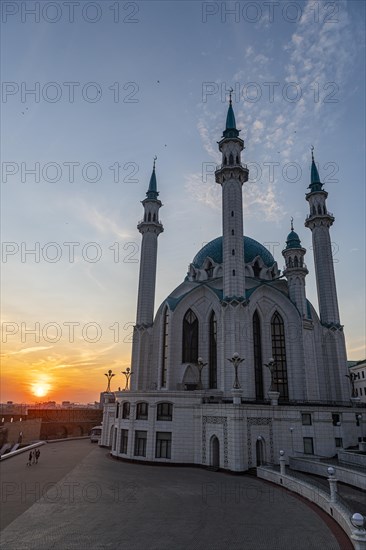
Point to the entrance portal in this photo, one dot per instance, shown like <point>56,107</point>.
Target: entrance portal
<point>215,453</point>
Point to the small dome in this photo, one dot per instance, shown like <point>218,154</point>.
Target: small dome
<point>293,240</point>
<point>252,249</point>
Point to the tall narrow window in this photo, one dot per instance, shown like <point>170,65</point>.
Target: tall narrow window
<point>258,373</point>
<point>190,338</point>
<point>279,355</point>
<point>213,352</point>
<point>231,159</point>
<point>164,366</point>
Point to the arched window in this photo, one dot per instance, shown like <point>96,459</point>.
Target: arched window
<point>154,217</point>
<point>319,209</point>
<point>126,410</point>
<point>232,213</point>
<point>209,270</point>
<point>313,210</point>
<point>117,409</point>
<point>164,365</point>
<point>296,262</point>
<point>256,269</point>
<point>231,159</point>
<point>232,232</point>
<point>233,252</point>
<point>237,159</point>
<point>213,351</point>
<point>233,272</point>
<point>279,355</point>
<point>149,217</point>
<point>190,338</point>
<point>257,341</point>
<point>225,161</point>
<point>290,264</point>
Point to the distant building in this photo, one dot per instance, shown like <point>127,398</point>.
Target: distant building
<point>204,387</point>
<point>359,370</point>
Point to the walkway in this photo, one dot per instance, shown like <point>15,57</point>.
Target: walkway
<point>94,502</point>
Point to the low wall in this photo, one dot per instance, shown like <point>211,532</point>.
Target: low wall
<point>22,450</point>
<point>354,458</point>
<point>339,513</point>
<point>343,474</point>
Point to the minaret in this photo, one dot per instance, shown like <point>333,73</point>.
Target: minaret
<point>295,270</point>
<point>319,221</point>
<point>231,175</point>
<point>150,228</point>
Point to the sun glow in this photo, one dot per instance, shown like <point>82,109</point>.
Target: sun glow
<point>40,389</point>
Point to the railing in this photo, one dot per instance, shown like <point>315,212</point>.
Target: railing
<point>317,214</point>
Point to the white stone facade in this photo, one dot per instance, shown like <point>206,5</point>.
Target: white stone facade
<point>180,408</point>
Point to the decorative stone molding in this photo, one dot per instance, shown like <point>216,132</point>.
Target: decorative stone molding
<point>215,420</point>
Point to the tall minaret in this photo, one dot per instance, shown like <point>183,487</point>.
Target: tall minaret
<point>319,221</point>
<point>150,228</point>
<point>231,175</point>
<point>295,270</point>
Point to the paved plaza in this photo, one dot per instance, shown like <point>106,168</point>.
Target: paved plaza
<point>78,498</point>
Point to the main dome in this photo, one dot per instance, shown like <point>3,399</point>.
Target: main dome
<point>252,249</point>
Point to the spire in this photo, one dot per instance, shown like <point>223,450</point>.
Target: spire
<point>315,183</point>
<point>152,192</point>
<point>230,130</point>
<point>293,239</point>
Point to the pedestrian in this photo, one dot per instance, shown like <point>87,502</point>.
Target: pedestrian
<point>29,463</point>
<point>38,453</point>
<point>33,456</point>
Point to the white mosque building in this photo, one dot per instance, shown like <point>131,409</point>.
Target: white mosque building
<point>237,363</point>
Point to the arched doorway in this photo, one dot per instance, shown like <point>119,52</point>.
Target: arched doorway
<point>215,453</point>
<point>260,448</point>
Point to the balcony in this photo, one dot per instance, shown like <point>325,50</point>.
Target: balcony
<point>241,165</point>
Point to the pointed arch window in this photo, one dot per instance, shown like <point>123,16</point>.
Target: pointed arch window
<point>296,262</point>
<point>164,365</point>
<point>231,159</point>
<point>279,355</point>
<point>256,269</point>
<point>209,270</point>
<point>149,217</point>
<point>319,209</point>
<point>213,351</point>
<point>190,338</point>
<point>237,159</point>
<point>257,342</point>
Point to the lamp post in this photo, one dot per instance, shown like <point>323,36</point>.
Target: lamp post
<point>272,393</point>
<point>292,439</point>
<point>109,376</point>
<point>236,360</point>
<point>282,463</point>
<point>236,390</point>
<point>127,374</point>
<point>200,365</point>
<point>271,366</point>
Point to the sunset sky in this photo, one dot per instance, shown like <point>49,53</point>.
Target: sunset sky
<point>152,79</point>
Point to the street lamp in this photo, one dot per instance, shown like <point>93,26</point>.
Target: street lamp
<point>292,439</point>
<point>200,365</point>
<point>109,376</point>
<point>236,360</point>
<point>127,374</point>
<point>271,365</point>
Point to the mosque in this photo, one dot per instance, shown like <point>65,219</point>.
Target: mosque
<point>237,363</point>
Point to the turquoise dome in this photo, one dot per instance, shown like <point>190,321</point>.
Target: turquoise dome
<point>252,248</point>
<point>293,240</point>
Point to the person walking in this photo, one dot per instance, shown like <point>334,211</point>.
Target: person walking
<point>38,454</point>
<point>29,463</point>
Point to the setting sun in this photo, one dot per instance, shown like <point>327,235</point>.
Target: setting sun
<point>40,390</point>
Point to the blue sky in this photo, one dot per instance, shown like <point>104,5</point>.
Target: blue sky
<point>298,79</point>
